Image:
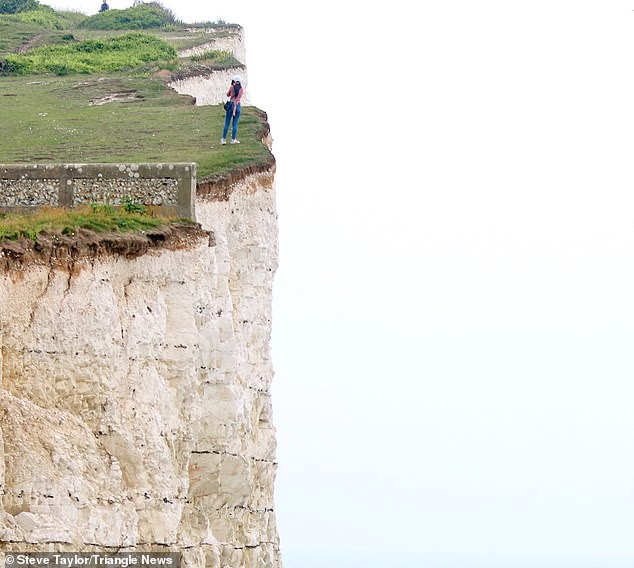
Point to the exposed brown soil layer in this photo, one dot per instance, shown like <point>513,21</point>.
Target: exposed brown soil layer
<point>200,70</point>
<point>69,251</point>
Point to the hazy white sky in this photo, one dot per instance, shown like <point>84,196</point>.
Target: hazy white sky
<point>454,311</point>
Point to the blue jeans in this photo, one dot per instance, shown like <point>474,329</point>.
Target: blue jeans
<point>236,118</point>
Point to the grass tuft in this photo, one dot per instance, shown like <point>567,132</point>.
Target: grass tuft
<point>97,218</point>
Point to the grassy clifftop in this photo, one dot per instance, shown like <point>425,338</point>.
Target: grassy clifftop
<point>81,89</point>
<point>71,93</point>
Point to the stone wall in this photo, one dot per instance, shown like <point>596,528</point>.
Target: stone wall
<point>68,185</point>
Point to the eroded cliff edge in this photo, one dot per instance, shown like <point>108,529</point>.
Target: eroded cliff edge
<point>135,406</point>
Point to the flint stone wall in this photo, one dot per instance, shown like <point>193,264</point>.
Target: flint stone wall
<point>70,185</point>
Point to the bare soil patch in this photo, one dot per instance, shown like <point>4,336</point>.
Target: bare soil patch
<point>70,251</point>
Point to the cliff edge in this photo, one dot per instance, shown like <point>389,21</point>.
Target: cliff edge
<point>135,404</point>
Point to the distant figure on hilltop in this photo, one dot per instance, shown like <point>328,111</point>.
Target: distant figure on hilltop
<point>234,93</point>
<point>104,7</point>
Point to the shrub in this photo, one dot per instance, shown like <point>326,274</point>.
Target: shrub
<point>15,65</point>
<point>141,17</point>
<point>90,56</point>
<point>43,16</point>
<point>59,68</point>
<point>16,6</point>
<point>131,205</point>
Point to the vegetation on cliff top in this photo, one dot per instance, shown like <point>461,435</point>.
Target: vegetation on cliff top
<point>91,56</point>
<point>98,218</point>
<point>116,103</point>
<point>83,89</point>
<point>120,118</point>
<point>16,6</point>
<point>140,17</point>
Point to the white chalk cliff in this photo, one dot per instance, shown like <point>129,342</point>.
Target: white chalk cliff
<point>135,405</point>
<point>211,88</point>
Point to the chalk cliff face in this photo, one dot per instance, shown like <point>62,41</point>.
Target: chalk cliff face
<point>135,406</point>
<point>211,88</point>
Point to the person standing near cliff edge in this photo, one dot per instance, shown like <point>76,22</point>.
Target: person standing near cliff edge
<point>233,112</point>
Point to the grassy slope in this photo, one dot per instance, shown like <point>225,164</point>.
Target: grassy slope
<point>99,219</point>
<point>48,118</point>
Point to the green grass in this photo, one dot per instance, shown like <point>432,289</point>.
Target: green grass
<point>127,51</point>
<point>45,27</point>
<point>99,218</point>
<point>215,56</point>
<point>35,28</point>
<point>101,115</point>
<point>154,125</point>
<point>50,19</point>
<point>15,33</point>
<point>15,6</point>
<point>141,17</point>
<point>204,63</point>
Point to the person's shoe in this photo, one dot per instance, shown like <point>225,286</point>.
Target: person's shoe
<point>223,140</point>
<point>234,141</point>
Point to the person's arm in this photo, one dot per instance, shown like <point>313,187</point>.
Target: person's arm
<point>236,101</point>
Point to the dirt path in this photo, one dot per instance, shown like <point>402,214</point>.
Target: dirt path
<point>29,44</point>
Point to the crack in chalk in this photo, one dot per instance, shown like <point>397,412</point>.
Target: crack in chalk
<point>233,455</point>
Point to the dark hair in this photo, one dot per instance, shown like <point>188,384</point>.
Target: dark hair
<point>236,89</point>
